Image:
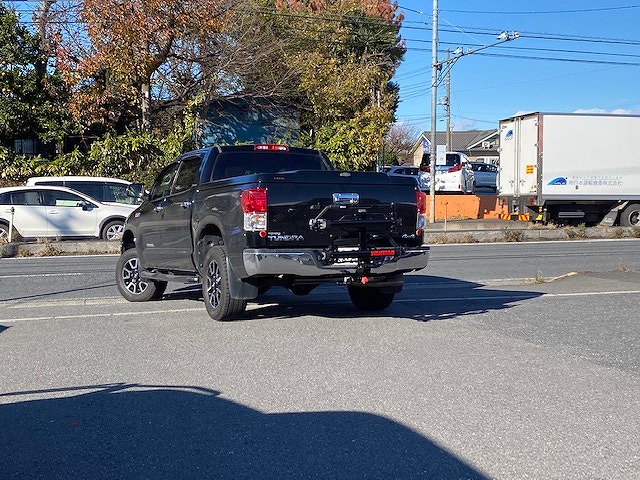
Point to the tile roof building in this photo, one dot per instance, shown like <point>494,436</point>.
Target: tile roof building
<point>478,145</point>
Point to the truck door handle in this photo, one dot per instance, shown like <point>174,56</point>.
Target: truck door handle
<point>158,209</point>
<point>185,204</point>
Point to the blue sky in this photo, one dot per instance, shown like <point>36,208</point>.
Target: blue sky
<point>571,56</point>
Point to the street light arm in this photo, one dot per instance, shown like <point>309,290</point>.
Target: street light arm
<point>459,53</point>
<point>437,74</point>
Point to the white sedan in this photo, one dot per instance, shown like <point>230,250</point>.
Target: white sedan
<point>41,211</point>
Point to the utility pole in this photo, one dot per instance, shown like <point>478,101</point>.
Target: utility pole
<point>434,102</point>
<point>435,68</point>
<point>447,105</point>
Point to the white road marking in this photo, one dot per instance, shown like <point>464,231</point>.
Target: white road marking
<point>101,315</point>
<point>516,296</point>
<point>35,275</point>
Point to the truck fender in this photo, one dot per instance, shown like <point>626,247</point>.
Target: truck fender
<point>239,289</point>
<point>610,219</point>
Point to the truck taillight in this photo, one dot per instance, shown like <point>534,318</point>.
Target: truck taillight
<point>271,147</point>
<point>254,206</point>
<point>421,201</point>
<point>421,207</point>
<point>254,200</point>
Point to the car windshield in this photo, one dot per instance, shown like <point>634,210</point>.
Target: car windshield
<point>452,160</point>
<point>483,167</point>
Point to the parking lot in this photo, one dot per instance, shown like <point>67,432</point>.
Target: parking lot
<point>486,366</point>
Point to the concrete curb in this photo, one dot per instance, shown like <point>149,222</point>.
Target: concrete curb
<point>462,232</point>
<point>55,248</point>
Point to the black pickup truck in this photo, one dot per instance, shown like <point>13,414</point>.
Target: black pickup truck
<point>241,219</point>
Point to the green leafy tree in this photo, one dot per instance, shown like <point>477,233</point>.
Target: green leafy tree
<point>32,103</point>
<point>345,53</point>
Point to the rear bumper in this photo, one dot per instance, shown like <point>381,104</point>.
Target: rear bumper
<point>311,263</point>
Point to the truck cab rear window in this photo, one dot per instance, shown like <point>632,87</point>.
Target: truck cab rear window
<point>234,164</point>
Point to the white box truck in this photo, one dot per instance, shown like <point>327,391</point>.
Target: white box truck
<point>571,168</point>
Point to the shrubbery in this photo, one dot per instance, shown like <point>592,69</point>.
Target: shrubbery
<point>134,157</point>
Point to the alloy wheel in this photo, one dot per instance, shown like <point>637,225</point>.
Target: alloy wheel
<point>114,232</point>
<point>214,280</point>
<point>131,277</point>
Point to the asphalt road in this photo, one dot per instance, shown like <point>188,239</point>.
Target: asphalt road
<point>476,371</point>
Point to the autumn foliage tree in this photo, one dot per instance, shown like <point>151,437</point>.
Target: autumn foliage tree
<point>111,50</point>
<point>155,65</point>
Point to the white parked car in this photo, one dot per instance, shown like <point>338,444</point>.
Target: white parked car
<point>112,191</point>
<point>41,211</point>
<point>454,175</point>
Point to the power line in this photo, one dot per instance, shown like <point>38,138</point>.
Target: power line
<point>531,12</point>
<point>557,59</point>
<point>468,30</point>
<point>540,49</point>
<point>536,35</point>
<point>573,60</point>
<point>542,12</point>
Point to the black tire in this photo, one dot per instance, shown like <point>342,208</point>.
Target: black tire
<point>113,230</point>
<point>130,285</point>
<point>630,216</point>
<point>215,287</point>
<point>369,298</point>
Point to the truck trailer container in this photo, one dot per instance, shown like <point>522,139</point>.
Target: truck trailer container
<point>571,168</point>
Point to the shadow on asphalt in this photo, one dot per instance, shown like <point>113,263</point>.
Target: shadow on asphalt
<point>43,296</point>
<point>122,431</point>
<point>424,298</point>
<point>442,298</point>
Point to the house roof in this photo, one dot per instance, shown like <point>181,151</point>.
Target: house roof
<point>460,141</point>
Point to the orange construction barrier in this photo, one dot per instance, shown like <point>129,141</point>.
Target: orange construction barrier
<point>460,206</point>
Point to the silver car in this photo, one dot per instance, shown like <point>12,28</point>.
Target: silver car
<point>404,171</point>
<point>485,175</point>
